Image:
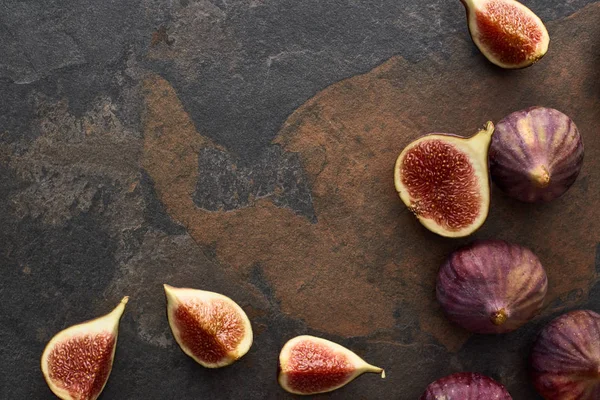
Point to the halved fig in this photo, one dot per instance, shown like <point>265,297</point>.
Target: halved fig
<point>444,180</point>
<point>310,365</point>
<point>209,327</point>
<point>508,34</point>
<point>77,361</point>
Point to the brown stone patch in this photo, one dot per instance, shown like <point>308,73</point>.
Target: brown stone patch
<point>366,255</point>
<point>161,36</point>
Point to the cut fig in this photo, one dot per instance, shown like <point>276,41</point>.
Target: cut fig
<point>466,386</point>
<point>491,286</point>
<point>536,154</point>
<point>77,361</point>
<point>508,34</point>
<point>209,327</point>
<point>565,359</point>
<point>444,180</point>
<point>311,365</point>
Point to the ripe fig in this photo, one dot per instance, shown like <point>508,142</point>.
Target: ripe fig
<point>311,365</point>
<point>536,154</point>
<point>443,179</point>
<point>566,357</point>
<point>508,34</point>
<point>491,286</point>
<point>466,386</point>
<point>209,327</point>
<point>77,361</point>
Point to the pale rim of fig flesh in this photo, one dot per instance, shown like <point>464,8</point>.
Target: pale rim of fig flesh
<point>360,366</point>
<point>475,148</point>
<point>106,324</point>
<point>178,297</point>
<point>517,13</point>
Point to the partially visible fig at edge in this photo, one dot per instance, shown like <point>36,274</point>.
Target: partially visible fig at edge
<point>77,361</point>
<point>506,32</point>
<point>466,386</point>
<point>565,360</point>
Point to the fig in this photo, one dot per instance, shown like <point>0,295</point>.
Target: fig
<point>443,179</point>
<point>506,32</point>
<point>536,154</point>
<point>466,386</point>
<point>311,365</point>
<point>491,286</point>
<point>209,327</point>
<point>77,361</point>
<point>565,358</point>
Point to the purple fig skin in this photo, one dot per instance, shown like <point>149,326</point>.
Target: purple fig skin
<point>491,286</point>
<point>565,359</point>
<point>466,386</point>
<point>536,154</point>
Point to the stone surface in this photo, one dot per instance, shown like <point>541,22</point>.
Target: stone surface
<point>246,147</point>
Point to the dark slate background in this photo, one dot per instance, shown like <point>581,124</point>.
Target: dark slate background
<point>70,222</point>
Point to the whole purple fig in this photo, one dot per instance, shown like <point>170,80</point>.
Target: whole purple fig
<point>466,386</point>
<point>491,286</point>
<point>536,154</point>
<point>566,357</point>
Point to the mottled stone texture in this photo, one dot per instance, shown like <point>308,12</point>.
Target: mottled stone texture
<point>246,147</point>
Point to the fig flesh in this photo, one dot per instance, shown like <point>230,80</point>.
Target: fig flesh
<point>566,357</point>
<point>311,365</point>
<point>491,286</point>
<point>209,327</point>
<point>444,180</point>
<point>536,154</point>
<point>508,34</point>
<point>466,386</point>
<point>77,361</point>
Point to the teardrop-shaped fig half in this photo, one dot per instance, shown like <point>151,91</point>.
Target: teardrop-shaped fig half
<point>536,154</point>
<point>491,286</point>
<point>444,180</point>
<point>209,327</point>
<point>508,34</point>
<point>311,365</point>
<point>466,386</point>
<point>77,361</point>
<point>565,359</point>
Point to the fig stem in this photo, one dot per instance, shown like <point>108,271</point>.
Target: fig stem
<point>374,369</point>
<point>117,312</point>
<point>499,317</point>
<point>541,176</point>
<point>483,137</point>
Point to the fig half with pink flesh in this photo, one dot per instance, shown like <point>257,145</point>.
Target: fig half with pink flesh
<point>78,360</point>
<point>466,386</point>
<point>566,357</point>
<point>209,327</point>
<point>491,286</point>
<point>508,34</point>
<point>311,365</point>
<point>536,154</point>
<point>444,180</point>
